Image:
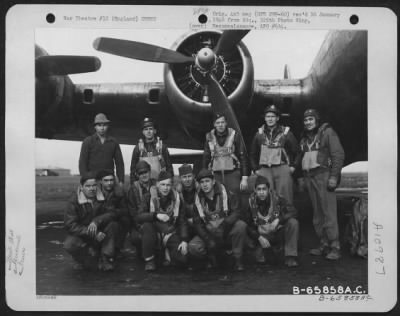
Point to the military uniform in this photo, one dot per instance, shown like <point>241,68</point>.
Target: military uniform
<point>217,223</point>
<point>273,152</point>
<point>225,156</point>
<point>322,161</point>
<point>170,233</point>
<point>135,196</point>
<point>271,219</point>
<point>79,213</point>
<point>155,153</point>
<point>115,202</point>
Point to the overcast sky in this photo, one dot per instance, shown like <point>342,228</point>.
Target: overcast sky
<point>270,51</point>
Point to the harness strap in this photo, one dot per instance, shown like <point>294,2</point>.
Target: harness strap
<point>200,208</point>
<point>155,202</point>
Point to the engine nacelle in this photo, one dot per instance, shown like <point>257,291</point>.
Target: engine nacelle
<point>186,84</point>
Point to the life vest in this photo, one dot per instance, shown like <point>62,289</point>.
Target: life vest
<point>172,209</point>
<point>265,223</point>
<point>310,150</point>
<point>221,207</point>
<point>222,157</point>
<point>154,159</point>
<point>272,149</point>
<point>139,188</point>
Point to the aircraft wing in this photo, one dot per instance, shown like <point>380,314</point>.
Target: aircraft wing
<point>124,104</point>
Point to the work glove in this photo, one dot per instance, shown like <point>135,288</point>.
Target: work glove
<point>332,183</point>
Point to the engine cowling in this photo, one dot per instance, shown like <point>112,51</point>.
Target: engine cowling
<point>186,85</point>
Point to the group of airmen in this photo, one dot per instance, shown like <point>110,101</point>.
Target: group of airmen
<point>211,218</point>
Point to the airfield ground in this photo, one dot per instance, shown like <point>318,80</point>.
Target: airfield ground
<point>56,276</point>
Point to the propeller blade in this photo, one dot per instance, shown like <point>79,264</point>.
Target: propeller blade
<point>228,40</point>
<point>220,104</point>
<point>65,65</point>
<point>138,50</point>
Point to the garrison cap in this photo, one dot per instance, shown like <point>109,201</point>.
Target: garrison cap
<point>147,122</point>
<point>87,176</point>
<point>205,173</point>
<point>218,115</point>
<point>185,169</point>
<point>272,108</point>
<point>142,166</point>
<point>261,180</point>
<point>311,112</point>
<point>101,118</point>
<point>164,175</point>
<point>104,173</point>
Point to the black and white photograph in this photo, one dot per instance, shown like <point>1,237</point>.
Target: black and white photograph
<point>304,93</point>
<point>202,162</point>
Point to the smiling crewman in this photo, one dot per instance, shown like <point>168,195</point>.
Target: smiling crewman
<point>274,153</point>
<point>322,161</point>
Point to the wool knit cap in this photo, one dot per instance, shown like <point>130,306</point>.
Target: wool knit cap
<point>104,173</point>
<point>87,176</point>
<point>261,180</point>
<point>185,169</point>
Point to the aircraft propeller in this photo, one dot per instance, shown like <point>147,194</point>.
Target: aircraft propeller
<point>65,65</point>
<point>205,61</point>
<point>141,51</point>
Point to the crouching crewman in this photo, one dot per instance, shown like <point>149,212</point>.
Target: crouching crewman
<point>216,219</point>
<point>162,219</point>
<point>268,216</point>
<point>92,232</point>
<point>115,202</point>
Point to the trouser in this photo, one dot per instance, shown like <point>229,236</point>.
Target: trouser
<point>150,240</point>
<point>124,225</point>
<point>325,209</point>
<point>280,180</point>
<point>236,240</point>
<point>288,235</point>
<point>78,247</point>
<point>230,179</point>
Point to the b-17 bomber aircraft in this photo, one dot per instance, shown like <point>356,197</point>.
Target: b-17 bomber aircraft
<point>205,72</point>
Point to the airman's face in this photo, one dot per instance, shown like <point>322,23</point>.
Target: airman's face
<point>144,177</point>
<point>220,124</point>
<point>89,188</point>
<point>148,132</point>
<point>164,186</point>
<point>310,123</point>
<point>187,180</point>
<point>207,184</point>
<point>271,119</point>
<point>107,183</point>
<point>261,192</point>
<point>101,128</point>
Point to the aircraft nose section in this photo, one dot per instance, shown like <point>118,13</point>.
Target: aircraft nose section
<point>205,58</point>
